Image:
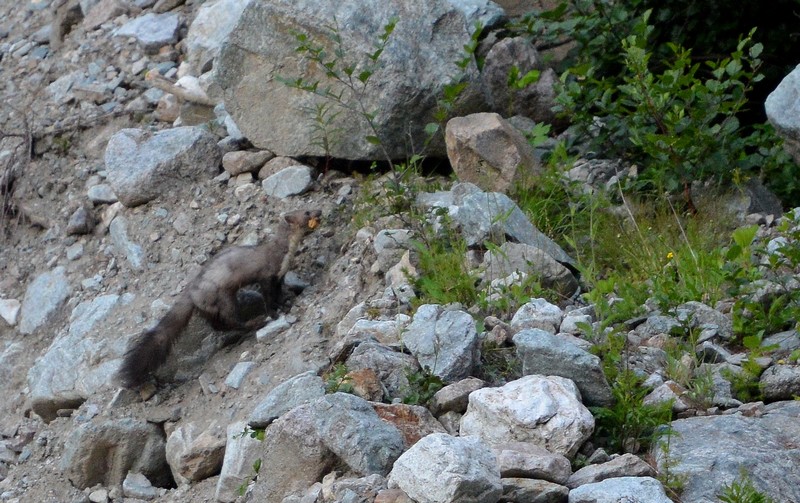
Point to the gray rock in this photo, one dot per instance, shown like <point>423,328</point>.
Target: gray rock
<point>536,100</point>
<point>393,239</point>
<point>621,489</point>
<point>444,341</point>
<point>444,469</point>
<point>781,382</point>
<point>782,106</point>
<point>9,310</point>
<point>74,251</point>
<point>522,459</point>
<point>142,166</point>
<point>669,391</point>
<point>152,31</point>
<point>353,490</point>
<point>133,253</point>
<point>403,89</point>
<point>241,451</point>
<point>242,161</point>
<point>138,486</point>
<point>700,317</point>
<point>391,366</point>
<point>287,182</point>
<point>138,446</point>
<point>101,194</point>
<point>352,430</point>
<point>46,293</point>
<point>238,373</point>
<point>73,367</point>
<point>455,397</point>
<point>80,222</point>
<point>384,331</point>
<point>711,451</point>
<point>521,490</point>
<point>491,216</point>
<point>485,12</point>
<point>537,313</point>
<point>195,453</point>
<point>627,465</point>
<point>295,391</point>
<point>486,150</point>
<point>211,26</point>
<point>546,354</point>
<point>545,411</point>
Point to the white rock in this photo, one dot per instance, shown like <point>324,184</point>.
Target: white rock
<point>443,469</point>
<point>544,410</point>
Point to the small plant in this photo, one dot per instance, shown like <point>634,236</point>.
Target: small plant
<point>629,425</point>
<point>337,380</point>
<point>742,490</point>
<point>422,385</point>
<point>499,364</point>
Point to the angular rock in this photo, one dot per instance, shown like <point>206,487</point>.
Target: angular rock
<point>242,161</point>
<point>521,258</point>
<point>351,428</point>
<point>195,453</point>
<point>241,451</point>
<point>781,382</point>
<point>152,31</point>
<point>402,89</point>
<point>287,182</point>
<point>133,253</point>
<point>300,389</point>
<point>138,486</point>
<point>80,222</point>
<point>211,26</point>
<point>537,313</point>
<point>391,366</point>
<point>393,239</point>
<point>101,194</point>
<point>73,367</point>
<point>413,421</point>
<point>444,341</point>
<point>521,490</point>
<point>46,293</point>
<point>621,489</point>
<point>545,354</point>
<point>445,469</point>
<point>705,319</point>
<point>9,310</point>
<point>627,465</point>
<point>536,100</point>
<point>545,411</point>
<point>523,459</point>
<point>491,216</point>
<point>670,391</point>
<point>142,166</point>
<point>351,489</point>
<point>455,397</point>
<point>138,446</point>
<point>486,150</point>
<point>781,106</point>
<point>710,451</point>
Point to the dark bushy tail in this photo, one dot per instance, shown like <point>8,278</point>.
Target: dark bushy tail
<point>150,350</point>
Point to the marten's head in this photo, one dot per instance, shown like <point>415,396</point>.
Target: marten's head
<point>307,220</point>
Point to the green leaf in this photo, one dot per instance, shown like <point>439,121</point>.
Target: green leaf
<point>744,236</point>
<point>431,128</point>
<point>364,76</point>
<point>373,139</point>
<point>756,50</point>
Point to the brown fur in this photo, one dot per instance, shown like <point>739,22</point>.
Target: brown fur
<point>212,294</point>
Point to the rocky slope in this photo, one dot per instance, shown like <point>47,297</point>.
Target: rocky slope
<point>115,193</point>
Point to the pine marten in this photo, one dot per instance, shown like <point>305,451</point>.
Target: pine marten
<point>212,294</point>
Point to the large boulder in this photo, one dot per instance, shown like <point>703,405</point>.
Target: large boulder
<point>543,410</point>
<point>445,469</point>
<point>486,150</point>
<point>76,365</point>
<point>783,111</point>
<point>142,165</point>
<point>418,61</point>
<point>712,451</point>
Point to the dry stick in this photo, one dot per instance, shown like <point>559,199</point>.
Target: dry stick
<point>160,82</point>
